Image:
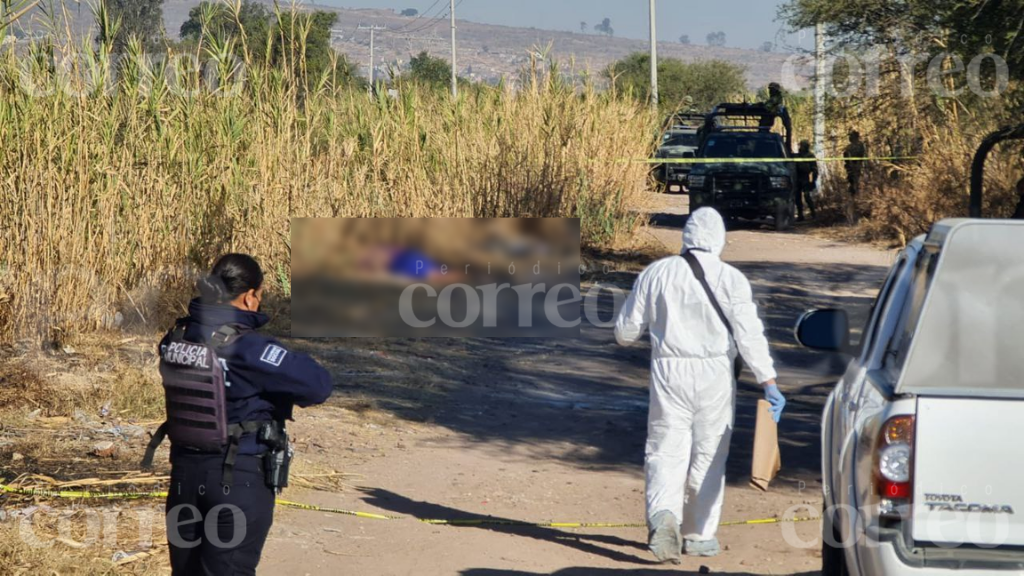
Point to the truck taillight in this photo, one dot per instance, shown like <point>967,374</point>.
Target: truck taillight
<point>894,458</point>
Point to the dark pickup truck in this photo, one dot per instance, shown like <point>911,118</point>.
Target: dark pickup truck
<point>680,140</point>
<point>746,172</point>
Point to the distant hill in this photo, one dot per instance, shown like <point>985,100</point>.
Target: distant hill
<point>487,52</point>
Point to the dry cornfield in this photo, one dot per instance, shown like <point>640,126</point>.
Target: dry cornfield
<point>121,177</point>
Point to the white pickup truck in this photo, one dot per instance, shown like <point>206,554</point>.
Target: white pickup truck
<point>923,437</point>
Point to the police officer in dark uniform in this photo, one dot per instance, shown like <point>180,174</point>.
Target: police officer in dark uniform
<point>807,180</point>
<point>229,392</point>
<point>854,154</point>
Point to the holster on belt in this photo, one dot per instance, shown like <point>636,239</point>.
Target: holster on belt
<point>278,458</point>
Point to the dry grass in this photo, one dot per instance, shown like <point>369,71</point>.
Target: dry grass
<point>901,199</point>
<point>56,407</point>
<point>81,540</point>
<point>113,201</point>
<point>107,374</point>
<point>72,536</point>
<point>903,202</point>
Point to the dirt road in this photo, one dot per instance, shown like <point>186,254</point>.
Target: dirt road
<point>545,430</point>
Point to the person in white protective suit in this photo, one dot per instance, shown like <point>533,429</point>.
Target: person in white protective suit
<point>693,387</point>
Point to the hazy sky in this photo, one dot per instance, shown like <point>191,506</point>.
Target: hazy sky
<point>747,23</point>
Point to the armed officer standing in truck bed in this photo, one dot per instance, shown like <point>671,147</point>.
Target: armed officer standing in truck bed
<point>776,104</point>
<point>229,391</point>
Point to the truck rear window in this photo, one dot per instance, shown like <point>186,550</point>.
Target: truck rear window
<point>967,341</point>
<point>680,140</point>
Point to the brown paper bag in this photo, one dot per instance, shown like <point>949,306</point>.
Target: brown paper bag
<point>767,458</point>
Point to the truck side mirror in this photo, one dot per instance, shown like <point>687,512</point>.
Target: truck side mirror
<point>826,330</point>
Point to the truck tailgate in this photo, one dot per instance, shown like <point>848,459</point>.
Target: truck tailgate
<point>969,472</point>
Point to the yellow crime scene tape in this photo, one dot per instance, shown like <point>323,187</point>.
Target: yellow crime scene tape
<point>83,495</point>
<point>86,495</point>
<point>768,160</point>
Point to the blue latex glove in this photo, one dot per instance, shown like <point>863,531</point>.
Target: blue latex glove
<point>776,399</point>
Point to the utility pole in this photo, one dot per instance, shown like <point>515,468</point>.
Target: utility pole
<point>654,56</point>
<point>373,63</point>
<point>455,74</point>
<point>819,99</point>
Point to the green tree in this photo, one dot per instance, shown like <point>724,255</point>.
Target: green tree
<point>716,39</point>
<point>304,40</point>
<point>427,69</point>
<point>410,12</point>
<point>605,27</point>
<point>142,19</point>
<point>217,19</point>
<point>922,27</point>
<point>301,40</point>
<point>708,82</point>
<point>684,39</point>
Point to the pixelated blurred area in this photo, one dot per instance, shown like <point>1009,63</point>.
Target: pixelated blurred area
<point>349,276</point>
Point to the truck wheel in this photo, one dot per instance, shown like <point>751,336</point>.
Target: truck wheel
<point>783,217</point>
<point>833,558</point>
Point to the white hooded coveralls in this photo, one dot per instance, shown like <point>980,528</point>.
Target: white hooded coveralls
<point>692,386</point>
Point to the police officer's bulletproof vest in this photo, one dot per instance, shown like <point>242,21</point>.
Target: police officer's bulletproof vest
<point>194,388</point>
<point>193,378</point>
